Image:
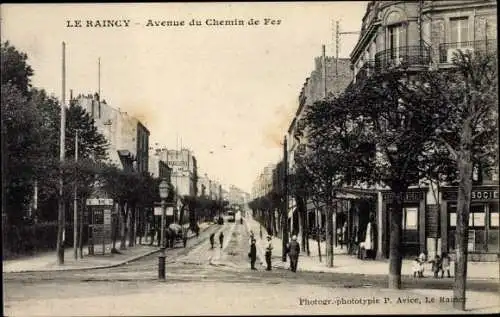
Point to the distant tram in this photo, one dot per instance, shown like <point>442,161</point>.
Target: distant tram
<point>232,216</point>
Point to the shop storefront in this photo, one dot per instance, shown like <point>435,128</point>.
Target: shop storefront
<point>413,240</point>
<point>483,233</point>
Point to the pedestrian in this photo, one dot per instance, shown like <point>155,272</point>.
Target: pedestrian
<point>436,265</point>
<point>368,245</point>
<point>422,258</point>
<point>416,267</point>
<point>269,249</point>
<point>345,236</point>
<point>252,236</point>
<point>212,240</point>
<point>445,264</point>
<point>252,254</point>
<point>293,250</point>
<point>221,239</point>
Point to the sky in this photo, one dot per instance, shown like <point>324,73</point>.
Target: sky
<point>227,92</point>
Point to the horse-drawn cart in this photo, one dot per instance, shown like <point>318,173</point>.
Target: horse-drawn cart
<point>175,234</point>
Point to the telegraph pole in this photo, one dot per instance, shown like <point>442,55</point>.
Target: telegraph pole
<point>337,43</point>
<point>61,211</point>
<point>75,201</point>
<point>285,199</point>
<point>324,74</point>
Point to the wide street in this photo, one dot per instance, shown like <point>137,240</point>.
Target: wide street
<point>205,281</point>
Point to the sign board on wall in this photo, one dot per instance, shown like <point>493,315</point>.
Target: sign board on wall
<point>169,211</point>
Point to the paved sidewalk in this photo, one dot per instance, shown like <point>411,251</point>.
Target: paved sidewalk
<point>344,263</point>
<point>47,261</point>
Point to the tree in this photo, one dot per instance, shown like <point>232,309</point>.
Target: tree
<point>15,70</point>
<point>92,147</point>
<point>21,123</point>
<point>329,160</point>
<point>20,132</point>
<point>400,119</point>
<point>469,95</point>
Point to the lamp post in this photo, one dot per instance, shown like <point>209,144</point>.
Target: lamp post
<point>161,258</point>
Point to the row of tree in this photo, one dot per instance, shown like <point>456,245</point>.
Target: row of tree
<point>396,130</point>
<point>31,163</point>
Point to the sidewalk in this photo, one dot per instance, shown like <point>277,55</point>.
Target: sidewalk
<point>344,263</point>
<point>47,261</point>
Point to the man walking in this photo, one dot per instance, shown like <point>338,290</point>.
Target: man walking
<point>269,249</point>
<point>221,239</point>
<point>212,240</point>
<point>293,249</point>
<point>252,254</point>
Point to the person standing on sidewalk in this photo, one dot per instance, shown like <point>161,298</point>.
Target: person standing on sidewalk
<point>212,240</point>
<point>293,250</point>
<point>221,239</point>
<point>269,249</point>
<point>252,254</point>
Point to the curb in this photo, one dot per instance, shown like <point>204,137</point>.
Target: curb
<point>107,266</point>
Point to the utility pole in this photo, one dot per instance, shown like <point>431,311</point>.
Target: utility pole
<point>99,87</point>
<point>61,211</point>
<point>337,43</point>
<point>285,199</point>
<point>324,74</point>
<point>75,201</point>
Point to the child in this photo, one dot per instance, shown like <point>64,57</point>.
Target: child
<point>436,265</point>
<point>445,264</point>
<point>416,267</point>
<point>422,258</point>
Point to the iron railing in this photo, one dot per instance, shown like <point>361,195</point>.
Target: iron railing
<point>447,50</point>
<point>402,58</point>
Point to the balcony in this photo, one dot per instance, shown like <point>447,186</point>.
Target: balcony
<point>403,58</point>
<point>447,50</point>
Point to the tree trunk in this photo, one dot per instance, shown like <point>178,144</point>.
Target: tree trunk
<point>131,233</point>
<point>115,223</point>
<point>395,259</point>
<point>329,234</point>
<point>123,226</point>
<point>463,207</point>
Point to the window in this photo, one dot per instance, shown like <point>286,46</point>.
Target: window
<point>477,216</point>
<point>459,28</point>
<point>494,222</point>
<point>410,218</point>
<point>396,40</point>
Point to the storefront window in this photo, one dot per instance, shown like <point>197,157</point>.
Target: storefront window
<point>477,216</point>
<point>410,218</point>
<point>493,232</point>
<point>494,223</point>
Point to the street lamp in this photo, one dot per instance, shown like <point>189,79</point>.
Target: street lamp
<point>161,260</point>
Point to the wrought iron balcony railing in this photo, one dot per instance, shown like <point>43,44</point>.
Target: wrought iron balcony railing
<point>402,58</point>
<point>447,50</point>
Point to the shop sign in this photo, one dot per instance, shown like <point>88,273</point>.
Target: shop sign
<point>99,202</point>
<point>409,196</point>
<point>475,195</point>
<point>484,194</point>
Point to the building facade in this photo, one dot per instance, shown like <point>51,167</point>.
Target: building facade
<point>128,138</point>
<point>414,36</point>
<point>184,170</point>
<point>330,77</point>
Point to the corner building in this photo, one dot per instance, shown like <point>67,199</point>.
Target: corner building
<point>413,36</point>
